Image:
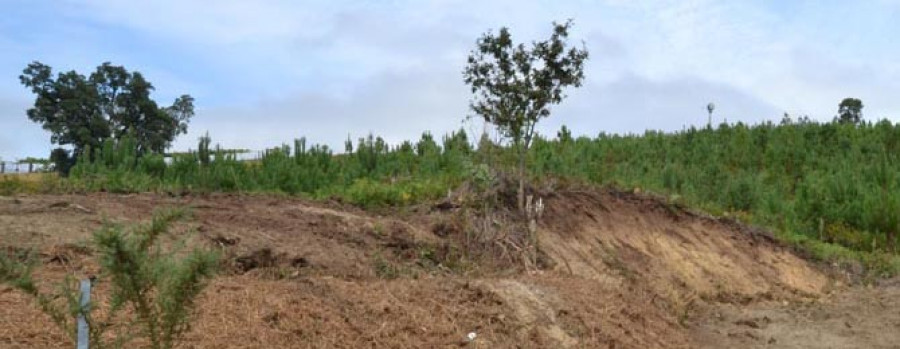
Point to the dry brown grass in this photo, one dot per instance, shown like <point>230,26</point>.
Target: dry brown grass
<point>28,183</point>
<point>29,177</point>
<point>624,272</point>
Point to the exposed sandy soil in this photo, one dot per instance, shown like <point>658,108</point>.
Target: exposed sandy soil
<point>856,318</point>
<point>627,272</point>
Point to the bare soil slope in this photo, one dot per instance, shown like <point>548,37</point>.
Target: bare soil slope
<point>620,236</point>
<point>627,272</point>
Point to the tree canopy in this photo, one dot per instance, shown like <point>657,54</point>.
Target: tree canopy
<point>850,111</point>
<point>515,85</point>
<point>82,112</point>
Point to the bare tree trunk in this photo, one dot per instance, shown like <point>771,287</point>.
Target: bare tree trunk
<point>521,192</point>
<point>524,144</point>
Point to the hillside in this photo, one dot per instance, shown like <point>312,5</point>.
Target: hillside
<point>624,270</point>
<point>828,188</point>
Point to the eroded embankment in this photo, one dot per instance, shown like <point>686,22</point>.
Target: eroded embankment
<point>627,272</point>
<point>621,236</point>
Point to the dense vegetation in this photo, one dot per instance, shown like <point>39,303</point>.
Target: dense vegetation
<point>369,173</point>
<point>111,103</point>
<point>836,182</point>
<point>831,187</point>
<point>811,182</point>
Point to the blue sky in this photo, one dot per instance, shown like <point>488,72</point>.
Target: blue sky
<point>265,72</point>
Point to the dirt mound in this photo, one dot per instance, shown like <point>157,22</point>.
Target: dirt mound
<point>628,272</point>
<point>622,237</point>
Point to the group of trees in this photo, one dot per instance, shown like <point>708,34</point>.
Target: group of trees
<point>829,181</point>
<point>514,86</point>
<point>832,181</point>
<point>82,112</point>
<point>371,172</point>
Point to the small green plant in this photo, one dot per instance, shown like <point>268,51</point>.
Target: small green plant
<point>153,285</point>
<point>10,185</point>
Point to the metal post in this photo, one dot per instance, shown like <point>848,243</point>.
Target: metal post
<point>83,335</point>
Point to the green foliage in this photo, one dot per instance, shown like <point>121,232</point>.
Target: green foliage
<point>15,269</point>
<point>112,102</point>
<point>62,160</point>
<point>366,193</point>
<point>33,160</point>
<point>515,86</point>
<point>154,285</point>
<point>376,174</point>
<point>833,183</point>
<point>10,185</point>
<point>790,177</point>
<point>740,193</point>
<point>850,111</point>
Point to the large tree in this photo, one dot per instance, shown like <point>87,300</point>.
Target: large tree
<point>82,112</point>
<point>515,85</point>
<point>850,111</point>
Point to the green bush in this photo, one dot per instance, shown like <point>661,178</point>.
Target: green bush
<point>153,285</point>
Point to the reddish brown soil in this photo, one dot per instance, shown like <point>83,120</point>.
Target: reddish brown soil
<point>627,272</point>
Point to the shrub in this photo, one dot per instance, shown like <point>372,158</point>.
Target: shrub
<point>153,288</point>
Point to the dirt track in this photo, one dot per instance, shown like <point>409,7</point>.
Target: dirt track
<point>855,318</point>
<point>628,272</point>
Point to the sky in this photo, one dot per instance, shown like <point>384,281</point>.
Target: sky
<point>268,71</point>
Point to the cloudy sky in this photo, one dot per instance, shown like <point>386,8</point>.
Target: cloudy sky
<point>265,72</point>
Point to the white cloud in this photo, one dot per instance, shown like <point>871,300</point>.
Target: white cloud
<point>396,105</point>
<point>230,22</point>
<point>267,71</point>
